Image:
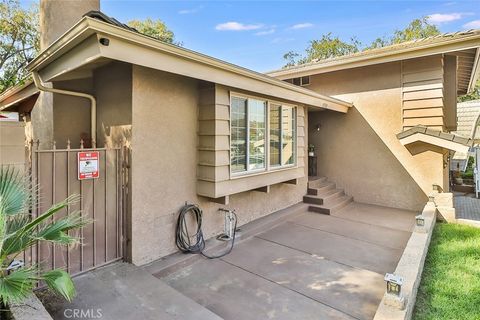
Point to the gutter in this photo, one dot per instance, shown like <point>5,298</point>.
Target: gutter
<point>93,102</point>
<point>88,26</point>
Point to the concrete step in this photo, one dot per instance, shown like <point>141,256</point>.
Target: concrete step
<point>331,197</point>
<point>334,206</point>
<point>311,199</point>
<point>320,188</point>
<point>316,181</point>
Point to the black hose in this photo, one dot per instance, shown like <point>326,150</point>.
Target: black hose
<point>183,238</point>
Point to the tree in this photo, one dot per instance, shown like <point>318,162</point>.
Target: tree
<point>329,46</point>
<point>474,95</point>
<point>19,41</point>
<point>417,29</point>
<point>154,28</point>
<point>19,231</point>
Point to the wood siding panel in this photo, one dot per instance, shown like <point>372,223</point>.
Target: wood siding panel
<point>423,75</point>
<point>423,92</point>
<point>420,113</point>
<point>421,104</point>
<point>428,121</point>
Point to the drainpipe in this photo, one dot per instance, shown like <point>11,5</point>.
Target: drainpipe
<point>93,102</point>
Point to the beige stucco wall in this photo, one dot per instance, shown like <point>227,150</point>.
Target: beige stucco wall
<point>113,90</point>
<point>12,144</point>
<point>164,167</point>
<point>71,115</point>
<point>360,150</point>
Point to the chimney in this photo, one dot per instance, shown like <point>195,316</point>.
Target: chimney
<point>57,16</point>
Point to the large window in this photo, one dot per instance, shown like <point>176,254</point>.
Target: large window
<point>250,136</point>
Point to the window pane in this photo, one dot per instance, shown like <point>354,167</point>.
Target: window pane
<point>275,135</point>
<point>288,135</point>
<point>238,150</point>
<point>256,118</point>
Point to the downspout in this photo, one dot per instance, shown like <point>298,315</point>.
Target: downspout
<point>93,102</point>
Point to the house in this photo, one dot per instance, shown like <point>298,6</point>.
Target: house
<point>376,151</point>
<point>467,114</point>
<point>205,131</point>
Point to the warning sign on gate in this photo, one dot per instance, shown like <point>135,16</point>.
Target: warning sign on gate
<point>88,165</point>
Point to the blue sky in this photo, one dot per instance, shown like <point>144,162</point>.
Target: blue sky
<point>256,34</point>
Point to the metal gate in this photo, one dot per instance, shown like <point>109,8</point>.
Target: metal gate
<point>102,200</point>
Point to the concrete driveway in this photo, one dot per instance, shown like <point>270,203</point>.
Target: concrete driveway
<point>310,266</point>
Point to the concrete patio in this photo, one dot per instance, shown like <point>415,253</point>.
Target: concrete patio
<point>293,264</point>
<point>310,266</point>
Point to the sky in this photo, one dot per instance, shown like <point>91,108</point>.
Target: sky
<point>256,34</point>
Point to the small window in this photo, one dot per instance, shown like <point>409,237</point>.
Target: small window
<point>302,81</point>
<point>305,81</point>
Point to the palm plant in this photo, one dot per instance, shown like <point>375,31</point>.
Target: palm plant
<point>19,231</point>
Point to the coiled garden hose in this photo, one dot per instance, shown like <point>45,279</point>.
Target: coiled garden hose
<point>195,243</point>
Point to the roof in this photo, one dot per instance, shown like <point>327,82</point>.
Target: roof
<point>17,94</point>
<point>443,43</point>
<point>467,113</point>
<point>435,137</point>
<point>80,46</point>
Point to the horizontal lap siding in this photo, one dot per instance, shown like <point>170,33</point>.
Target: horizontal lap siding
<point>213,135</point>
<point>423,92</point>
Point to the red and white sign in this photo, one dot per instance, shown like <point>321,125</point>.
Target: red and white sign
<point>88,165</point>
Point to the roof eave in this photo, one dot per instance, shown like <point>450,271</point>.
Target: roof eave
<point>347,62</point>
<point>88,26</point>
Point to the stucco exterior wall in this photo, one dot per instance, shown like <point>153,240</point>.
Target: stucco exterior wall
<point>113,90</point>
<point>360,150</point>
<point>164,167</point>
<point>71,115</point>
<point>12,144</point>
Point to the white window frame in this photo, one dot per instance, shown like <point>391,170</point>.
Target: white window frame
<point>268,168</point>
<point>247,147</point>
<point>290,165</point>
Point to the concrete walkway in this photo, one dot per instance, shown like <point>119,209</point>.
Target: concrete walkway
<point>293,264</point>
<point>122,291</point>
<point>466,206</point>
<point>310,266</point>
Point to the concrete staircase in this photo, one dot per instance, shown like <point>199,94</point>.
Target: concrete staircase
<point>323,196</point>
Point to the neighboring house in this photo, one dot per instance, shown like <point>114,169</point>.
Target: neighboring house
<point>208,132</point>
<point>467,114</point>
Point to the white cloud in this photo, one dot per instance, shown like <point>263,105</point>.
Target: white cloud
<point>190,11</point>
<point>475,24</point>
<point>237,26</point>
<point>301,25</point>
<point>265,32</point>
<point>445,17</point>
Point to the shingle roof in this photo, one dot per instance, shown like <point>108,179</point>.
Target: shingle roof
<point>407,44</point>
<point>435,133</point>
<point>467,113</point>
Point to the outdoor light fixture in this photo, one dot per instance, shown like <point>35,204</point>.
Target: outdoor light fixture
<point>394,284</point>
<point>420,220</point>
<point>104,41</point>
